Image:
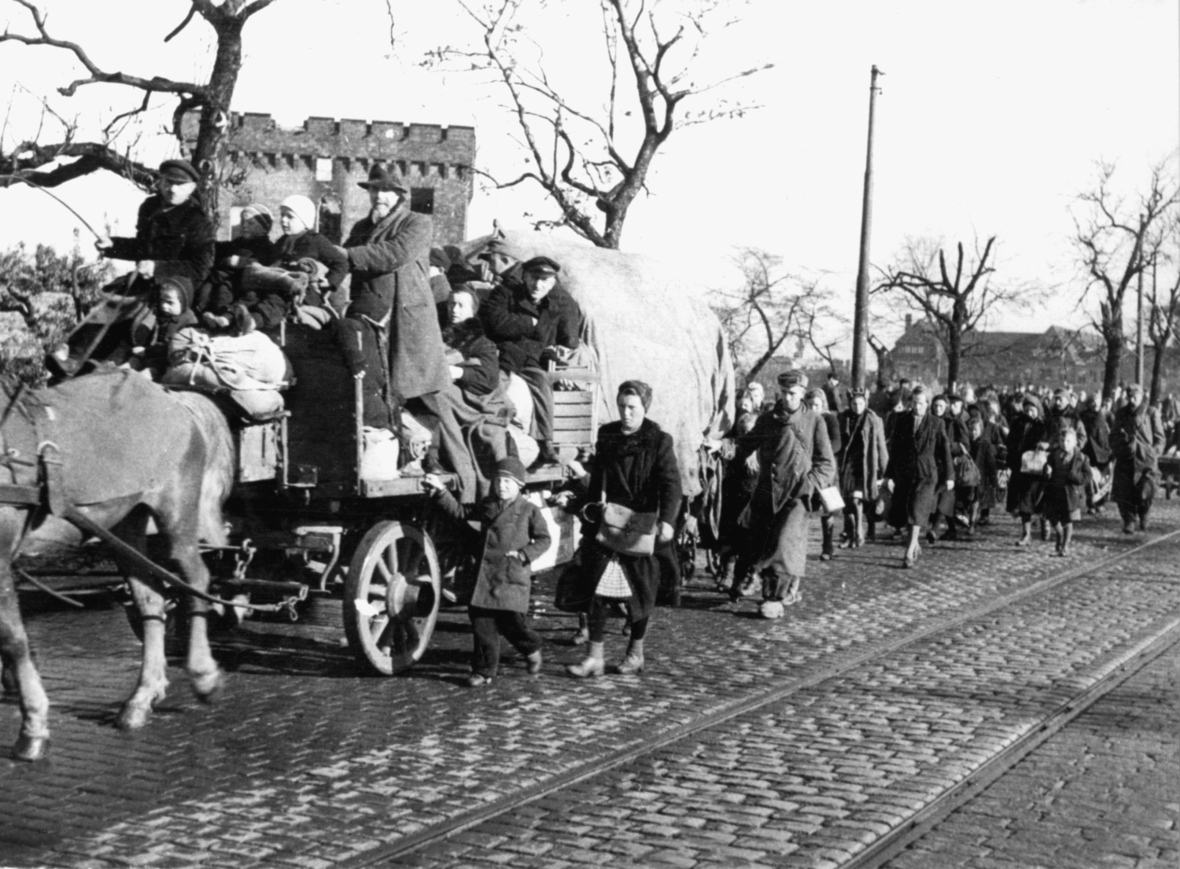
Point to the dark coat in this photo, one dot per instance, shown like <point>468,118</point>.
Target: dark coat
<point>1136,441</point>
<point>1025,490</point>
<point>863,454</point>
<point>811,431</point>
<point>1065,485</point>
<point>508,316</point>
<point>471,350</point>
<point>179,240</point>
<point>919,465</point>
<point>289,249</point>
<point>154,332</point>
<point>1057,421</point>
<point>390,264</point>
<point>637,471</point>
<point>983,453</point>
<point>1097,447</point>
<point>503,583</point>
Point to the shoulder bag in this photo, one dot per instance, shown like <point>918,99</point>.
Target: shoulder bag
<point>625,531</point>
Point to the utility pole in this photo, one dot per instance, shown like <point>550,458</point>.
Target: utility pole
<point>1139,313</point>
<point>860,321</point>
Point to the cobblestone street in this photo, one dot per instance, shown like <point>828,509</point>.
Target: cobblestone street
<point>746,742</point>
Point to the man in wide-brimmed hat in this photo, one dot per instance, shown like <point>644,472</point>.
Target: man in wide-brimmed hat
<point>389,258</point>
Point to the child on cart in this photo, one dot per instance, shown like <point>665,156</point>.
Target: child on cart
<point>512,534</point>
<point>1066,474</point>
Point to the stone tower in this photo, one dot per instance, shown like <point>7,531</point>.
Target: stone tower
<point>325,159</point>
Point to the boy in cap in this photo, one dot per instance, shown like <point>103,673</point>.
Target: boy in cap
<point>512,534</point>
<point>533,325</point>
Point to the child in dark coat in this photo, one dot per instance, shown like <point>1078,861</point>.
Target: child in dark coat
<point>512,534</point>
<point>1066,474</point>
<point>152,332</point>
<point>300,242</point>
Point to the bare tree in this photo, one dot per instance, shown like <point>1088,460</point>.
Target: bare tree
<point>1163,318</point>
<point>211,98</point>
<point>577,154</point>
<point>955,299</point>
<point>1113,238</point>
<point>770,308</point>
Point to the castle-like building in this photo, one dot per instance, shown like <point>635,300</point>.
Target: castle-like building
<point>325,159</point>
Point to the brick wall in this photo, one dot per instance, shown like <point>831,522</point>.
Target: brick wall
<point>327,158</point>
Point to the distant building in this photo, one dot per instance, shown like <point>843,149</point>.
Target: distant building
<point>325,159</point>
<point>1051,358</point>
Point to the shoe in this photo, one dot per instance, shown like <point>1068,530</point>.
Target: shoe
<point>478,680</point>
<point>581,637</point>
<point>952,534</point>
<point>825,556</point>
<point>771,609</point>
<point>631,665</point>
<point>1024,541</point>
<point>1128,528</point>
<point>243,320</point>
<point>534,663</point>
<point>931,538</point>
<point>590,668</point>
<point>1143,523</point>
<point>545,459</point>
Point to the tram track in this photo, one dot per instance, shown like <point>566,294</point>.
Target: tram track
<point>891,843</point>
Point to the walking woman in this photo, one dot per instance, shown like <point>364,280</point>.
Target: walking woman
<point>1136,441</point>
<point>635,467</point>
<point>1028,450</point>
<point>817,403</point>
<point>919,468</point>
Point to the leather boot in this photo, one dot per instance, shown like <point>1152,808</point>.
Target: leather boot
<point>827,525</point>
<point>590,667</point>
<point>632,663</point>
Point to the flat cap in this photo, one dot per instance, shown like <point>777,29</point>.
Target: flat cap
<point>179,171</point>
<point>794,377</point>
<point>541,265</point>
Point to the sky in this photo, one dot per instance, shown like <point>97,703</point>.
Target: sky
<point>989,122</point>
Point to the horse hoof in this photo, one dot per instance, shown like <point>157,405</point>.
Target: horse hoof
<point>30,748</point>
<point>132,717</point>
<point>207,685</point>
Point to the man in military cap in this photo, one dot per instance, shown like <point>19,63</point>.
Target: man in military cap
<point>533,324</point>
<point>793,462</point>
<point>173,239</point>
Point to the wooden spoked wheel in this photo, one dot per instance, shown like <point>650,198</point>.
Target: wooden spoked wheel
<point>391,597</point>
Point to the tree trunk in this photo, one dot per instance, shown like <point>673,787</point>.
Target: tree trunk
<point>211,136</point>
<point>1114,360</point>
<point>1157,371</point>
<point>954,352</point>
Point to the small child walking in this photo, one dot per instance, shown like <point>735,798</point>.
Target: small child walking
<point>512,534</point>
<point>1066,474</point>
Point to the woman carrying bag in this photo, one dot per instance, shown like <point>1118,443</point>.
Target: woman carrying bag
<point>635,496</point>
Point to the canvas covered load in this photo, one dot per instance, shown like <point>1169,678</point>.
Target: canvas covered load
<point>251,367</point>
<point>646,320</point>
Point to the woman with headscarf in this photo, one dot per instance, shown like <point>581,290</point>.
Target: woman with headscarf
<point>634,466</point>
<point>1028,446</point>
<point>920,467</point>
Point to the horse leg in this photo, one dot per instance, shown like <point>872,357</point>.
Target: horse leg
<point>203,671</point>
<point>15,657</point>
<point>153,679</point>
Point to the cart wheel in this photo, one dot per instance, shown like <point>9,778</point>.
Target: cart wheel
<point>391,597</point>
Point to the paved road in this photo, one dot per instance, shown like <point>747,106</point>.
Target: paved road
<point>747,742</point>
<point>1102,793</point>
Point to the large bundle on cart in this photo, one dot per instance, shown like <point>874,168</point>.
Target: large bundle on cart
<point>646,320</point>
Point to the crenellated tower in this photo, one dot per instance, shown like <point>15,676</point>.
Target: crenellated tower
<point>325,159</point>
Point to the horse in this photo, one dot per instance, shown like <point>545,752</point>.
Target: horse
<point>116,450</point>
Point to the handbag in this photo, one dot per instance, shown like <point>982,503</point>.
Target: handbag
<point>967,474</point>
<point>830,497</point>
<point>626,531</point>
<point>1033,461</point>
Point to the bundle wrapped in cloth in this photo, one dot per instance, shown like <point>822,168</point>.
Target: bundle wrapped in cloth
<point>250,367</point>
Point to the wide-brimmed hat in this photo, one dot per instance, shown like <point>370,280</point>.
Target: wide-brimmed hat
<point>179,171</point>
<point>381,178</point>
